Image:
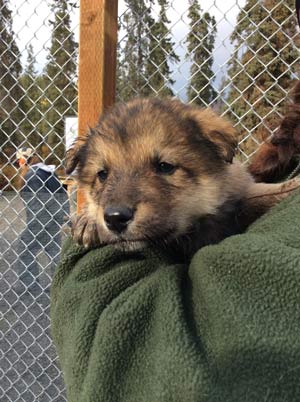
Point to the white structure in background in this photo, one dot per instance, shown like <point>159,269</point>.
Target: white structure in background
<point>71,130</point>
<point>71,133</point>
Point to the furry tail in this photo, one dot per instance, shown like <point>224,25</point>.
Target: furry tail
<point>276,159</point>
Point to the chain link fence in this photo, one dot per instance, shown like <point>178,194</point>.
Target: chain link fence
<point>38,93</point>
<point>239,57</point>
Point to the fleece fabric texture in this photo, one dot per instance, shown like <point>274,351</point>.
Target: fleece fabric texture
<point>137,327</point>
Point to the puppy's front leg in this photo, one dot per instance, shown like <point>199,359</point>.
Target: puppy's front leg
<point>269,194</point>
<point>263,196</point>
<point>85,230</point>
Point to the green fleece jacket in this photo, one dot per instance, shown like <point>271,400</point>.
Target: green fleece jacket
<point>137,327</point>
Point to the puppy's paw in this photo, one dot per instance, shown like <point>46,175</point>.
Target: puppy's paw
<point>85,231</point>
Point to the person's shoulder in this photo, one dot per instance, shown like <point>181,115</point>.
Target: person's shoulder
<point>42,173</point>
<point>36,177</point>
<point>52,182</point>
<point>31,175</point>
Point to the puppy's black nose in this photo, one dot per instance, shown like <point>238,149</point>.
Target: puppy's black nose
<point>117,218</point>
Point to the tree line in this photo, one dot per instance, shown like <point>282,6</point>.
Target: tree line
<point>148,54</point>
<point>33,105</point>
<point>260,71</point>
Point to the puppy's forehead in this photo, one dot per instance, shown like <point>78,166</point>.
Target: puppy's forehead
<point>141,130</point>
<point>140,144</point>
<point>143,118</point>
<point>144,121</point>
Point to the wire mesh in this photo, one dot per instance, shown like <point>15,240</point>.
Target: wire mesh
<point>38,47</point>
<point>239,57</point>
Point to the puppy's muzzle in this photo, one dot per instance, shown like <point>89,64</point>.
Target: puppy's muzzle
<point>118,218</point>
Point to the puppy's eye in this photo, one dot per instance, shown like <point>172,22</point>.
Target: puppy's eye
<point>165,168</point>
<point>102,175</point>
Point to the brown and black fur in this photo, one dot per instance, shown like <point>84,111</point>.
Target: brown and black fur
<point>123,164</point>
<point>277,158</point>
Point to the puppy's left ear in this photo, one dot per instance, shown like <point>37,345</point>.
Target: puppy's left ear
<point>73,154</point>
<point>219,131</point>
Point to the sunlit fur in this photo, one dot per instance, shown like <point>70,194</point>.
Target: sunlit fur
<point>128,142</point>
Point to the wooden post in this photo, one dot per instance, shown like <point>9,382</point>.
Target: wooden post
<point>97,63</point>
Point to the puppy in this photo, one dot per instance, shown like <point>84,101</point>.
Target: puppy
<point>276,159</point>
<point>159,171</point>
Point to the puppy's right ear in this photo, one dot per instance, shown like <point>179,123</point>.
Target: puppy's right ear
<point>73,153</point>
<point>219,131</point>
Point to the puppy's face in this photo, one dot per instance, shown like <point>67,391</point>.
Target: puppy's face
<point>149,169</point>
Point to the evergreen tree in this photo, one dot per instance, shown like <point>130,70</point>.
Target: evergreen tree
<point>201,40</point>
<point>60,77</point>
<point>161,54</point>
<point>10,90</point>
<point>263,64</point>
<point>143,63</point>
<point>31,102</point>
<point>131,79</point>
<point>119,73</point>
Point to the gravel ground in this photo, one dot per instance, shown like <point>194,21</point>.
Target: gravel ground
<point>28,362</point>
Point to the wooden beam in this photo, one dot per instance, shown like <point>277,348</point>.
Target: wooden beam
<point>97,62</point>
